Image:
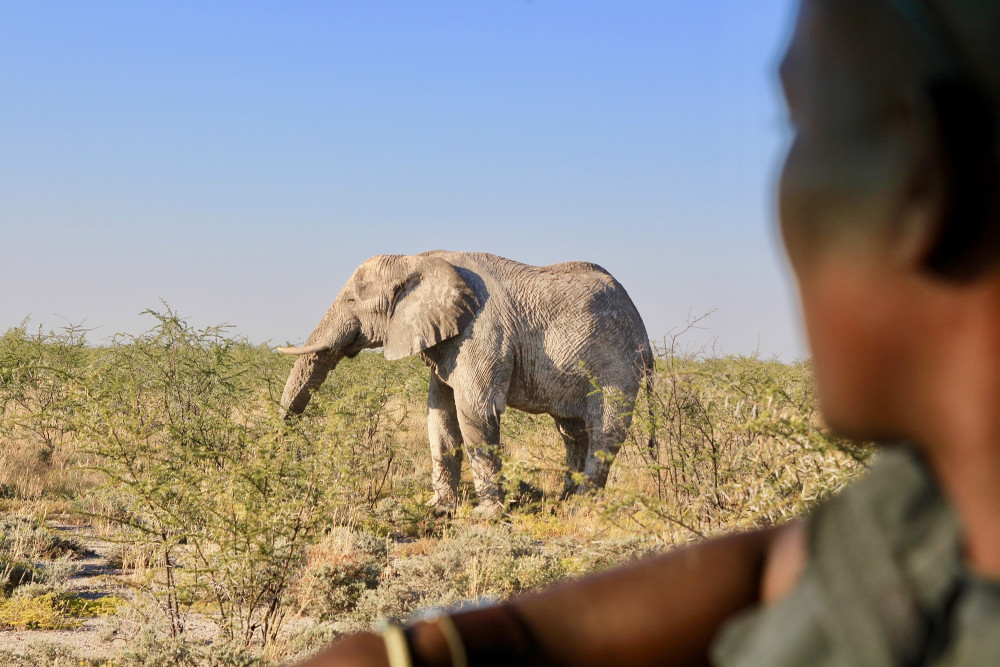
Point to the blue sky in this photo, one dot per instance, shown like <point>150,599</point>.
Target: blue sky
<point>238,160</point>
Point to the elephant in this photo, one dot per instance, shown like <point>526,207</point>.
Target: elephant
<point>563,339</point>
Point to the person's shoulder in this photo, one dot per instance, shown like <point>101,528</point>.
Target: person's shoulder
<point>891,497</point>
<point>851,582</point>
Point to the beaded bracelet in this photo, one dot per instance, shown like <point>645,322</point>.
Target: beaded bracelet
<point>396,646</point>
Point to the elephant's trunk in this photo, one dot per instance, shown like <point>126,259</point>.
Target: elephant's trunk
<point>307,375</point>
<point>315,362</point>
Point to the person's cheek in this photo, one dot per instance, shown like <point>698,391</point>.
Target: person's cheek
<point>828,340</point>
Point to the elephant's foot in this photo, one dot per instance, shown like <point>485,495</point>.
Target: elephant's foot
<point>488,509</point>
<point>443,505</point>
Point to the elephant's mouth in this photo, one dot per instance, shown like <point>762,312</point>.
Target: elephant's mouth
<point>354,346</point>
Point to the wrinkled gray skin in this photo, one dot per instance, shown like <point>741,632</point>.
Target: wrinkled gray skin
<point>495,333</point>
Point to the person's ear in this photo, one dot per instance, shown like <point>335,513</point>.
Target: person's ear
<point>919,212</point>
<point>949,224</point>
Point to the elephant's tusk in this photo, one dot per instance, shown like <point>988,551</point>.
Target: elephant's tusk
<point>309,349</point>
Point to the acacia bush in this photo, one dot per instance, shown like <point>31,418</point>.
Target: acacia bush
<point>371,411</point>
<point>738,442</point>
<point>37,375</point>
<point>202,472</point>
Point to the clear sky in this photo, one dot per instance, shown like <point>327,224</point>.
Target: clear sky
<point>239,159</point>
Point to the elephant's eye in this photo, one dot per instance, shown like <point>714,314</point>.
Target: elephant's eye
<point>349,301</point>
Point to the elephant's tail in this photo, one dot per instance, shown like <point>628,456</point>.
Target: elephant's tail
<point>649,379</point>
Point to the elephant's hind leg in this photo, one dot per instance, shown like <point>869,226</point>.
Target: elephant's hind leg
<point>445,437</point>
<point>574,435</point>
<point>608,418</point>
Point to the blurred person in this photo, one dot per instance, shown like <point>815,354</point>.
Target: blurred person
<point>889,216</point>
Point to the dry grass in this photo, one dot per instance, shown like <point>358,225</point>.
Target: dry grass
<point>738,443</point>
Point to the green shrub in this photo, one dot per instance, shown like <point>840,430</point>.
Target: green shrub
<point>340,569</point>
<point>47,654</point>
<point>28,538</point>
<point>150,650</point>
<point>738,443</point>
<point>474,564</point>
<point>15,573</point>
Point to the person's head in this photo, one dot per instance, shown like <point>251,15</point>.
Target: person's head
<point>889,194</point>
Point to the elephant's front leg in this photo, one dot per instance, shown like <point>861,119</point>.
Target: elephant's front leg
<point>445,438</point>
<point>481,435</point>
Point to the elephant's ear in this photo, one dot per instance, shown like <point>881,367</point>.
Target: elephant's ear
<point>432,305</point>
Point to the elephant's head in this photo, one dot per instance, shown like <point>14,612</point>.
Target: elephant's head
<point>402,303</point>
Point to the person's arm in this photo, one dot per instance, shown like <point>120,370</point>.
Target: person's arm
<point>664,610</point>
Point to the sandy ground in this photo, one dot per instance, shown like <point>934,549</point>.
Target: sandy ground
<point>96,578</point>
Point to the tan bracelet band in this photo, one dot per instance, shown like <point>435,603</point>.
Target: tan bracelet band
<point>396,647</point>
<point>456,647</point>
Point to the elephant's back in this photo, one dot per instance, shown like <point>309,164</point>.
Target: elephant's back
<point>532,289</point>
<point>571,305</point>
<point>573,285</point>
<point>574,268</point>
<point>578,303</point>
<point>587,290</point>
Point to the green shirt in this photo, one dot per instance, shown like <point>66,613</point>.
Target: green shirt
<point>884,584</point>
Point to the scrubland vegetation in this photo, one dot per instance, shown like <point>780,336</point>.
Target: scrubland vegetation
<point>219,535</point>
